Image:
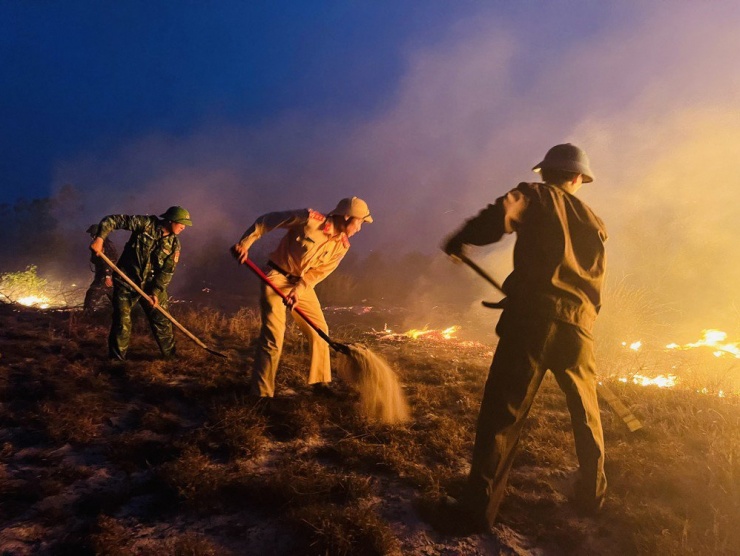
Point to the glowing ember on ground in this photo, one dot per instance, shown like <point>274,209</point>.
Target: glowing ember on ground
<point>714,339</point>
<point>634,346</point>
<point>698,371</point>
<point>661,381</point>
<point>446,334</point>
<point>33,300</point>
<point>356,309</point>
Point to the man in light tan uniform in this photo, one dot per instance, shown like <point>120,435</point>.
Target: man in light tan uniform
<point>312,248</point>
<point>553,297</point>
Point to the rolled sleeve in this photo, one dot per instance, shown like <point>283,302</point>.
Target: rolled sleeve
<point>271,221</point>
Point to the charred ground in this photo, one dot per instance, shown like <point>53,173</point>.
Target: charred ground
<point>174,458</point>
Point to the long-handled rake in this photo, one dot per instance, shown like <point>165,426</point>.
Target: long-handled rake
<point>381,397</point>
<point>162,310</point>
<point>633,424</point>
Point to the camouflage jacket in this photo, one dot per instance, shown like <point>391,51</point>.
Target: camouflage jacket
<point>149,257</point>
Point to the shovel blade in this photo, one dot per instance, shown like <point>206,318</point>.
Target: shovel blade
<point>341,348</point>
<point>218,353</point>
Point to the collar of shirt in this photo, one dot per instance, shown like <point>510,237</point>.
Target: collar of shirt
<point>159,227</point>
<point>328,229</point>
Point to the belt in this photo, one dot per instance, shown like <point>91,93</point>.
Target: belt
<point>291,277</point>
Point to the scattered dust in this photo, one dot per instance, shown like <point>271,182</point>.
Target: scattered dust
<point>381,396</point>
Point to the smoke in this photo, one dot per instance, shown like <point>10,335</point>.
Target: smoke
<point>651,94</point>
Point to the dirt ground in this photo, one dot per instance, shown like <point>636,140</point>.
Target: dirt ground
<point>173,457</point>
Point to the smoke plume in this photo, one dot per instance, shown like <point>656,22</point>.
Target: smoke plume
<point>652,97</point>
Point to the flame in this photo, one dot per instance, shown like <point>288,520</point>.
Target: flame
<point>661,381</point>
<point>442,335</point>
<point>714,339</point>
<point>415,334</point>
<point>34,300</point>
<point>634,346</point>
<point>446,334</point>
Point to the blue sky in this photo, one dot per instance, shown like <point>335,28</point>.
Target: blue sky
<point>82,76</point>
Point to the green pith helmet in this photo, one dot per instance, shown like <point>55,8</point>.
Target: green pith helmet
<point>568,158</point>
<point>177,214</point>
<point>93,230</point>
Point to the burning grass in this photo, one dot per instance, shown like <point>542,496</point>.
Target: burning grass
<point>175,458</point>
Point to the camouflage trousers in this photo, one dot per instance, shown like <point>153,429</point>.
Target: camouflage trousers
<point>124,300</point>
<point>526,350</point>
<point>270,343</point>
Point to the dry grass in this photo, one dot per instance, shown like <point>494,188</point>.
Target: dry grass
<point>344,531</point>
<point>175,458</point>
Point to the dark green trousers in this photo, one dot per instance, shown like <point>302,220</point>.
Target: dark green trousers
<point>124,300</point>
<point>526,350</point>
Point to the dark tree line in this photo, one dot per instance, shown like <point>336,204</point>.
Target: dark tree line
<point>50,233</point>
<point>31,232</point>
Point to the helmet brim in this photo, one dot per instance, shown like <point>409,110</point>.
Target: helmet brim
<point>573,167</point>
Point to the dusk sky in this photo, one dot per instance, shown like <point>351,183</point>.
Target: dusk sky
<point>91,78</point>
<point>427,109</point>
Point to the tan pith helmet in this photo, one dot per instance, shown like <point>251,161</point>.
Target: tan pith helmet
<point>567,158</point>
<point>353,207</point>
<point>177,214</point>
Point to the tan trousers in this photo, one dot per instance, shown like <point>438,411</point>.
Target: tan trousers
<point>270,344</point>
<point>525,352</point>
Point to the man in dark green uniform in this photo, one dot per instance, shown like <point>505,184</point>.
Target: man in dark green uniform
<point>553,297</point>
<point>149,259</point>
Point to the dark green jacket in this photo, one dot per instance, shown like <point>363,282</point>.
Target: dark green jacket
<point>559,255</point>
<point>149,257</point>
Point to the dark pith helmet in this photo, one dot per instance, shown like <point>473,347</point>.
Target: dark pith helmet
<point>568,158</point>
<point>93,230</point>
<point>177,214</point>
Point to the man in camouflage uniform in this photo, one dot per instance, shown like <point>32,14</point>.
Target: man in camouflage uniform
<point>311,249</point>
<point>149,259</point>
<point>102,284</point>
<point>553,297</point>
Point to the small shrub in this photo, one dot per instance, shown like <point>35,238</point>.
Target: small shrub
<point>78,420</point>
<point>111,537</point>
<point>190,544</point>
<point>298,482</point>
<point>24,283</point>
<point>194,478</point>
<point>239,430</point>
<point>340,531</point>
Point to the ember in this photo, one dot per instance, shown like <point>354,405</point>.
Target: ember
<point>714,339</point>
<point>446,334</point>
<point>34,300</point>
<point>27,288</point>
<point>661,381</point>
<point>634,346</point>
<point>701,370</point>
<point>436,336</point>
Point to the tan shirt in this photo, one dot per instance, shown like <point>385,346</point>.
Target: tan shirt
<point>311,249</point>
